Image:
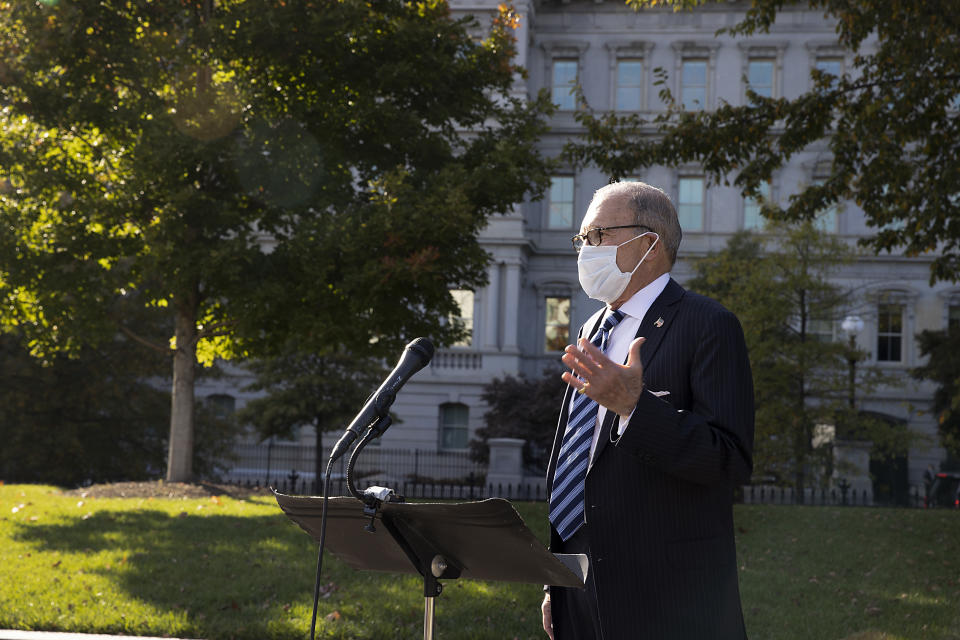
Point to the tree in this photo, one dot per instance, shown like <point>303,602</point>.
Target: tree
<point>251,171</point>
<point>323,391</point>
<point>523,408</point>
<point>892,127</point>
<point>943,368</point>
<point>780,288</point>
<point>90,418</point>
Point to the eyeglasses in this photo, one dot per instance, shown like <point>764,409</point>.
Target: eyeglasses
<point>594,237</point>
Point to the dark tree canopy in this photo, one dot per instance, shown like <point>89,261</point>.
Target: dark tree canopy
<point>90,418</point>
<point>943,368</point>
<point>251,171</point>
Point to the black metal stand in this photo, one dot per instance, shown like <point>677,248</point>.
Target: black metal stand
<point>479,540</point>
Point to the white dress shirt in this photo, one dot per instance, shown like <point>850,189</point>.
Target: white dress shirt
<point>618,345</point>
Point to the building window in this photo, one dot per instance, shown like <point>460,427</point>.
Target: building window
<point>751,208</point>
<point>464,300</point>
<point>693,83</point>
<point>832,65</point>
<point>629,85</point>
<point>557,325</point>
<point>222,405</point>
<point>820,329</point>
<point>561,202</point>
<point>564,80</point>
<point>453,425</point>
<point>761,76</point>
<point>826,220</point>
<point>690,203</point>
<point>953,317</point>
<point>889,332</point>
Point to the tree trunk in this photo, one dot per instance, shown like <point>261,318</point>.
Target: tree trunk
<point>180,454</point>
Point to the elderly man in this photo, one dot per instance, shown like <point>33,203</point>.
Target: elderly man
<point>655,431</point>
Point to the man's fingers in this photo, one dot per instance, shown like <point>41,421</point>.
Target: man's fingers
<point>580,361</point>
<point>590,349</point>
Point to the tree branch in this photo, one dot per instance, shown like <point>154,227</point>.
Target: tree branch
<point>147,343</point>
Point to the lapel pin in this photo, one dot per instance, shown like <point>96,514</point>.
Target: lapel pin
<point>658,323</point>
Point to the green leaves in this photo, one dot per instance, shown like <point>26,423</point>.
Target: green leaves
<point>317,169</point>
<point>943,368</point>
<point>779,286</point>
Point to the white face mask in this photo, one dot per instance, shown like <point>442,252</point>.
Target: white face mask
<point>600,276</point>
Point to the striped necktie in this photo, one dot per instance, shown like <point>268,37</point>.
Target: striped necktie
<point>566,495</point>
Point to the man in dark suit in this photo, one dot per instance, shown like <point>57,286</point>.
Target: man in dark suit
<point>655,431</point>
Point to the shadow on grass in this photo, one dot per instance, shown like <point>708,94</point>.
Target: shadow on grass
<point>252,577</point>
<point>224,572</point>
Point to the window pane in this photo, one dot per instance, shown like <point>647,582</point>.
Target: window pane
<point>453,426</point>
<point>826,220</point>
<point>693,84</point>
<point>557,325</point>
<point>222,405</point>
<point>953,317</point>
<point>464,300</point>
<point>628,98</point>
<point>690,204</point>
<point>751,209</point>
<point>561,202</point>
<point>629,85</point>
<point>889,332</point>
<point>833,66</point>
<point>820,329</point>
<point>630,72</point>
<point>564,79</point>
<point>760,77</point>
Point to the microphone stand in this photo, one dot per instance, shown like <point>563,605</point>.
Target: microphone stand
<point>375,430</point>
<point>372,499</point>
<point>323,535</point>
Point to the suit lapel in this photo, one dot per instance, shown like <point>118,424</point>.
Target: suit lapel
<point>659,320</point>
<point>655,324</point>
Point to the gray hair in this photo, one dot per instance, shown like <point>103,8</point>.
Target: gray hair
<point>652,208</point>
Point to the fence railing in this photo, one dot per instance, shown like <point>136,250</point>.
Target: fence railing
<point>475,490</point>
<point>268,463</point>
<point>428,474</point>
<point>766,494</point>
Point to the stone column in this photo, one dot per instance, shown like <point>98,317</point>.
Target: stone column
<point>506,462</point>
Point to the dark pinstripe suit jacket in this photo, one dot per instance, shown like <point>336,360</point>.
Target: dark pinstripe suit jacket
<point>659,499</point>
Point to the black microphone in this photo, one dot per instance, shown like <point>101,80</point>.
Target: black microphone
<point>415,357</point>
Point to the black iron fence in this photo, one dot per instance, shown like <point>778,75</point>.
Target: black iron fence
<point>443,475</point>
<point>472,489</point>
<point>270,463</point>
<point>836,497</point>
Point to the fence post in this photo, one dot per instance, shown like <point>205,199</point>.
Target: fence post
<point>506,461</point>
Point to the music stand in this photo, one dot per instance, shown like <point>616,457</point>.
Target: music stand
<point>484,540</point>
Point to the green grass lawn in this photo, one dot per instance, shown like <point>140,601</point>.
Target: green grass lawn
<point>224,568</point>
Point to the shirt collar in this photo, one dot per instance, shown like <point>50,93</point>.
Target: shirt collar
<point>641,301</point>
